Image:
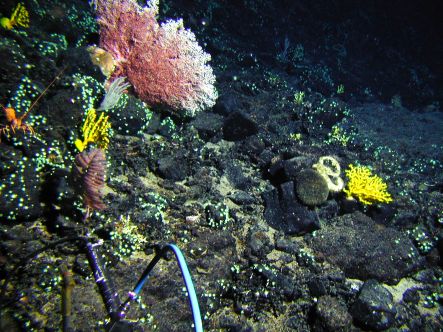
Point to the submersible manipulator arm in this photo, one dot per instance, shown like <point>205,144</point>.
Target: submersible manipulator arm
<point>117,310</point>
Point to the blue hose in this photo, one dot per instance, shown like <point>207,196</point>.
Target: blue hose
<point>198,326</point>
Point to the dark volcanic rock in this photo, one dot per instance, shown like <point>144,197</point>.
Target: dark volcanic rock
<point>366,250</point>
<point>374,308</point>
<point>331,315</point>
<point>283,212</point>
<point>238,126</point>
<point>172,168</point>
<point>208,124</point>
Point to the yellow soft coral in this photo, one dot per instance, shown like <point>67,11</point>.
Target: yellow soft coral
<point>365,187</point>
<point>94,131</point>
<point>19,16</point>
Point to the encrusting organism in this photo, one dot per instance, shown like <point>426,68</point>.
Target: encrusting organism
<point>19,16</point>
<point>104,60</point>
<point>329,168</point>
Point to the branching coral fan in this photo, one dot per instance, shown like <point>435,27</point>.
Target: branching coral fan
<point>365,187</point>
<point>164,63</point>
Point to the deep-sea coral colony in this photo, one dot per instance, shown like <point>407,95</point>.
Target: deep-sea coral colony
<point>19,17</point>
<point>166,65</point>
<point>365,187</point>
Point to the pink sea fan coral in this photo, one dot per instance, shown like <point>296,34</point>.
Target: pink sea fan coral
<point>164,63</point>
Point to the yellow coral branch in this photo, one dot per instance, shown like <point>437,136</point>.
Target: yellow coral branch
<point>365,187</point>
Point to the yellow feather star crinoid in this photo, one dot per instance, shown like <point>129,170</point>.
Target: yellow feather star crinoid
<point>94,131</point>
<point>19,17</point>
